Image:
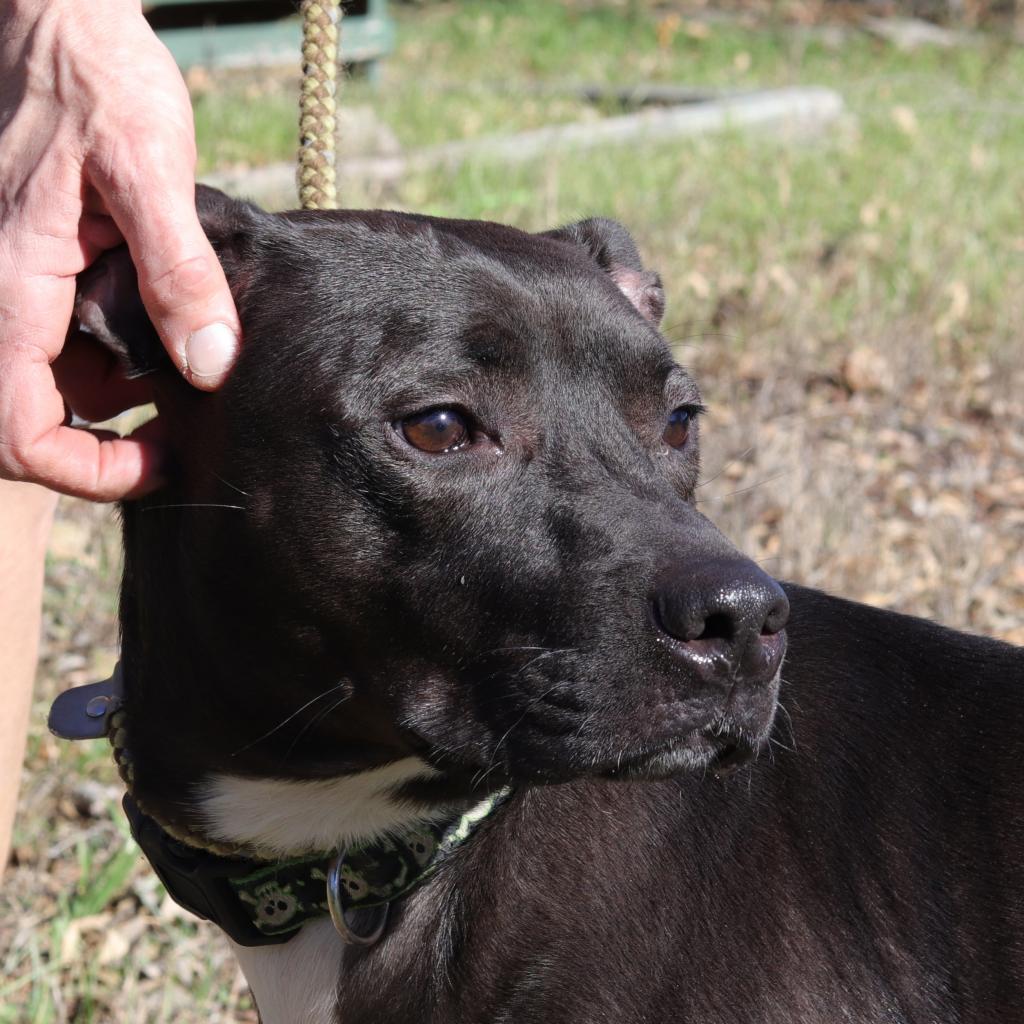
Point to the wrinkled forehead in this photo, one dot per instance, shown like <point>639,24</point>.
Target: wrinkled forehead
<point>390,300</point>
<point>506,288</point>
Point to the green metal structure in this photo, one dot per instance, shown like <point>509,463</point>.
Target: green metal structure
<point>245,33</point>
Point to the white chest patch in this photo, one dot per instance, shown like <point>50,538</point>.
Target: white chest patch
<point>296,982</point>
<point>289,817</point>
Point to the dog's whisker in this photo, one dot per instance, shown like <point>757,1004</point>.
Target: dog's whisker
<point>195,504</point>
<point>228,483</point>
<point>285,721</point>
<point>743,490</point>
<point>480,776</point>
<point>677,333</point>
<point>586,721</point>
<point>545,652</point>
<point>725,466</point>
<point>524,647</point>
<point>789,720</point>
<point>318,717</point>
<point>541,657</point>
<point>514,650</point>
<point>508,732</point>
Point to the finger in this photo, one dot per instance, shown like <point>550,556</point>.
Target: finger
<point>34,442</point>
<point>93,464</point>
<point>93,383</point>
<point>96,464</point>
<point>180,279</point>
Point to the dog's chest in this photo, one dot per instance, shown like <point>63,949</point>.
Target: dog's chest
<point>296,982</point>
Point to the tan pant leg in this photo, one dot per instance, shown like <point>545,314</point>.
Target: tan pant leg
<point>26,512</point>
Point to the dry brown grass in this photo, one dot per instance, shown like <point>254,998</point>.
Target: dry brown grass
<point>890,473</point>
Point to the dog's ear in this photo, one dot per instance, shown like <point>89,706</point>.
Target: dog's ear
<point>107,302</point>
<point>108,307</point>
<point>612,248</point>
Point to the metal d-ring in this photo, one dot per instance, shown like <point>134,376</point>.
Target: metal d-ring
<point>335,886</point>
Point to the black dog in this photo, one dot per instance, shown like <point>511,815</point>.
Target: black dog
<point>436,538</point>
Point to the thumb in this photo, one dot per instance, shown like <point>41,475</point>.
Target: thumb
<point>181,280</point>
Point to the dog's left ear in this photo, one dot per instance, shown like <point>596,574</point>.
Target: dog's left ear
<point>612,248</point>
<point>107,302</point>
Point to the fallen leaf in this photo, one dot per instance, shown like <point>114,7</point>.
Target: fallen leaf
<point>866,369</point>
<point>905,119</point>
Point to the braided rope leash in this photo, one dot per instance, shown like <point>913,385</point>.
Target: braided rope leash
<point>318,104</point>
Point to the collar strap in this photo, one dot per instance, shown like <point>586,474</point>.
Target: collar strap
<point>259,902</point>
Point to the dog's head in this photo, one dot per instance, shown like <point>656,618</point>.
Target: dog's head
<point>443,508</point>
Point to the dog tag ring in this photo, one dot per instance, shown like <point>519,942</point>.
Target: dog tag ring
<point>335,887</point>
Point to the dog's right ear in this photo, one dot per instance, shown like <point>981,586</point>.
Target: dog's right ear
<point>108,306</point>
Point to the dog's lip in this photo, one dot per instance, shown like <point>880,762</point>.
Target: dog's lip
<point>720,745</point>
<point>719,748</point>
<point>736,752</point>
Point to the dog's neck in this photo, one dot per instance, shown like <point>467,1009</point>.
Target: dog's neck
<point>296,979</point>
<point>236,729</point>
<point>265,817</point>
<point>218,723</point>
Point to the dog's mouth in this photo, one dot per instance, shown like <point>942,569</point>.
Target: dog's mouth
<point>721,747</point>
<point>717,748</point>
<point>559,733</point>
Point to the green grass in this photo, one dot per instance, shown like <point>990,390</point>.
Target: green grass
<point>922,183</point>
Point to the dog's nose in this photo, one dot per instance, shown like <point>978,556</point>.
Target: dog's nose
<point>724,619</point>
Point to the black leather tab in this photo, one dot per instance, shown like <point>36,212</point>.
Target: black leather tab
<point>83,712</point>
<point>197,880</point>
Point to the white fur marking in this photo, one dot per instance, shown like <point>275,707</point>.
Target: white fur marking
<point>296,982</point>
<point>291,817</point>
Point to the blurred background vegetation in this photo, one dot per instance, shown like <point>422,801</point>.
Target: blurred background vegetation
<point>851,303</point>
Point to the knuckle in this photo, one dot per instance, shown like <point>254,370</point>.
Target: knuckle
<point>15,462</point>
<point>181,282</point>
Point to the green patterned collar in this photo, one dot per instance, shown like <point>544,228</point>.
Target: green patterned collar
<point>282,897</point>
<point>263,903</point>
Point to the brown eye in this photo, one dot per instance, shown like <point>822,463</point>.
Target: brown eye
<point>436,431</point>
<point>678,428</point>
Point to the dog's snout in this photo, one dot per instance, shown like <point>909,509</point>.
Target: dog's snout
<point>725,620</point>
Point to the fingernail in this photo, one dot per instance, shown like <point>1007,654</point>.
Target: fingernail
<point>210,351</point>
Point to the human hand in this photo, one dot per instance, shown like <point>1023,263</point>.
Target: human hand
<point>97,148</point>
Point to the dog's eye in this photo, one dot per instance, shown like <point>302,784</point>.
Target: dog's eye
<point>678,428</point>
<point>437,430</point>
